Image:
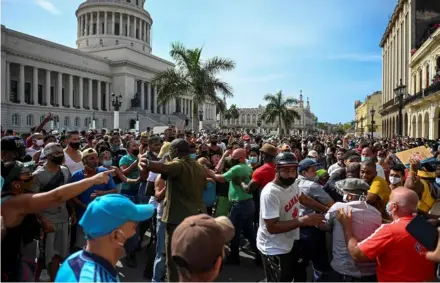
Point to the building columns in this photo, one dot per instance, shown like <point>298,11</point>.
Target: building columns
<point>113,23</point>
<point>81,93</point>
<point>21,85</point>
<point>142,95</point>
<point>35,86</point>
<point>120,24</point>
<point>90,94</point>
<point>128,25</point>
<point>97,22</point>
<point>149,97</point>
<point>70,95</point>
<point>105,22</point>
<point>60,89</point>
<point>107,96</point>
<point>135,25</point>
<point>47,91</point>
<point>8,81</point>
<point>99,96</point>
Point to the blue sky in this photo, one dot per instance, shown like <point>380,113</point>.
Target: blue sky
<point>327,49</point>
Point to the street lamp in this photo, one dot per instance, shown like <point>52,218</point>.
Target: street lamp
<point>93,120</point>
<point>400,92</point>
<point>259,126</point>
<point>116,102</point>
<point>372,111</point>
<point>137,122</point>
<point>200,120</point>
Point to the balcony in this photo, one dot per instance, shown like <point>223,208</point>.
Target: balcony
<point>430,90</point>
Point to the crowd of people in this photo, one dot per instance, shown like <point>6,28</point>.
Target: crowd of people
<point>336,204</point>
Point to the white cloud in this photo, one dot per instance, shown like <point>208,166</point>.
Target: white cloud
<point>357,57</point>
<point>48,6</point>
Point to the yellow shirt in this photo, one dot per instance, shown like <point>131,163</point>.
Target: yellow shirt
<point>164,149</point>
<point>426,202</point>
<point>380,188</point>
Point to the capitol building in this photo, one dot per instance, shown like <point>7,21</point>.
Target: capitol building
<point>250,118</point>
<point>113,56</point>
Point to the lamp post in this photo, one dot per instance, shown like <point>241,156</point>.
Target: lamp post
<point>93,121</point>
<point>116,102</point>
<point>400,92</point>
<point>137,122</point>
<point>200,120</point>
<point>259,126</point>
<point>372,111</point>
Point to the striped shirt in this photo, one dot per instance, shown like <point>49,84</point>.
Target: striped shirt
<point>84,266</point>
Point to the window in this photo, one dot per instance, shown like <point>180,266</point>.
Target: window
<point>126,30</point>
<point>87,42</point>
<point>62,97</point>
<point>137,2</point>
<point>56,121</point>
<point>40,94</point>
<point>104,123</point>
<point>94,29</point>
<point>66,121</point>
<point>137,33</point>
<point>101,42</point>
<point>420,80</point>
<point>16,120</point>
<point>13,96</point>
<point>128,1</point>
<point>77,122</point>
<point>29,120</point>
<point>117,29</point>
<point>86,122</point>
<point>41,119</point>
<point>102,28</point>
<point>428,78</point>
<point>27,93</point>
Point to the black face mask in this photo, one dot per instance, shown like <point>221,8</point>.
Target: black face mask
<point>75,145</point>
<point>58,160</point>
<point>170,139</point>
<point>287,181</point>
<point>235,162</point>
<point>136,152</point>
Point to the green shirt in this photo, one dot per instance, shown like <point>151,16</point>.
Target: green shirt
<point>186,183</point>
<point>134,174</point>
<point>235,176</point>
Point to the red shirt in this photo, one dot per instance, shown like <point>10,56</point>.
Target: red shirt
<point>264,174</point>
<point>399,256</point>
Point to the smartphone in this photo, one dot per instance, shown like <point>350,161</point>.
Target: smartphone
<point>424,232</point>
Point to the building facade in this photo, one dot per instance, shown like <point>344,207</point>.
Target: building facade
<point>412,28</point>
<point>113,55</point>
<point>250,117</point>
<point>363,115</point>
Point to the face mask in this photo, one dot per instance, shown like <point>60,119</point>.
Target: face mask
<point>58,160</point>
<point>193,156</point>
<point>394,180</point>
<point>39,142</point>
<point>75,145</point>
<point>365,158</point>
<point>287,181</point>
<point>136,152</point>
<point>253,159</point>
<point>345,198</point>
<point>121,250</point>
<point>387,208</point>
<point>380,159</point>
<point>235,162</point>
<point>116,147</point>
<point>107,163</point>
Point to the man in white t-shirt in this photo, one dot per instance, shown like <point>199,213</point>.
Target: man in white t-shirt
<point>279,222</point>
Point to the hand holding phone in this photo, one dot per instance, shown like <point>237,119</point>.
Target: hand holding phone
<point>424,232</point>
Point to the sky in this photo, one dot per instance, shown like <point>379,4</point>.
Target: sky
<point>328,49</point>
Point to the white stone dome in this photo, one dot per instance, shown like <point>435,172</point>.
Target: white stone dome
<point>109,23</point>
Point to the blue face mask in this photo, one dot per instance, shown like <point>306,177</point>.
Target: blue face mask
<point>253,159</point>
<point>365,158</point>
<point>193,156</point>
<point>387,208</point>
<point>437,180</point>
<point>107,163</point>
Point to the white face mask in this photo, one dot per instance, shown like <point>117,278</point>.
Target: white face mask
<point>39,142</point>
<point>394,180</point>
<point>122,252</point>
<point>380,159</point>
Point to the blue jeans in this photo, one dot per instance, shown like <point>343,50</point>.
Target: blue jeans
<point>159,261</point>
<point>242,216</point>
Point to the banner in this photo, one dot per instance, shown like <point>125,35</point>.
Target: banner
<point>421,152</point>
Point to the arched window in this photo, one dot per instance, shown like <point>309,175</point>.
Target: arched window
<point>16,120</point>
<point>243,117</point>
<point>66,121</point>
<point>86,122</point>
<point>29,120</point>
<point>104,123</point>
<point>254,119</point>
<point>248,118</point>
<point>77,122</point>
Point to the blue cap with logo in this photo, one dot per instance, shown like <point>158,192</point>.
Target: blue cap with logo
<point>306,164</point>
<point>108,212</point>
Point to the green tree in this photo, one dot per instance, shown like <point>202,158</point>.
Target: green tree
<point>194,77</point>
<point>232,113</point>
<point>277,108</point>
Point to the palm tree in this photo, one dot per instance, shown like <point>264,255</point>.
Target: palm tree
<point>277,108</point>
<point>194,77</point>
<point>232,113</point>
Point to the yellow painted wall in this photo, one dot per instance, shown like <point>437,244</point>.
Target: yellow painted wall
<point>363,112</point>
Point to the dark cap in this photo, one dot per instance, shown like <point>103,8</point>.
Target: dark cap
<point>199,240</point>
<point>307,163</point>
<point>12,143</point>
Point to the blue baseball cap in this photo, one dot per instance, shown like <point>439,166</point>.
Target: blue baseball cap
<point>306,164</point>
<point>108,212</point>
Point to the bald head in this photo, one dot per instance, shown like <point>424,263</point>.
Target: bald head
<point>406,199</point>
<point>353,170</point>
<point>179,147</point>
